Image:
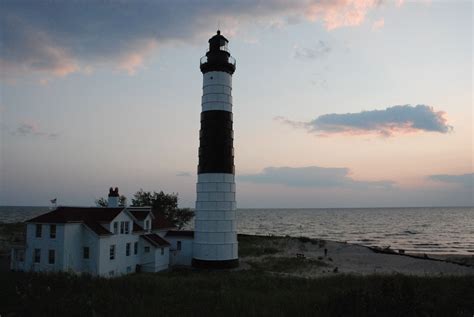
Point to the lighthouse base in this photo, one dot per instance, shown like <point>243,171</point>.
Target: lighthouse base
<point>218,264</point>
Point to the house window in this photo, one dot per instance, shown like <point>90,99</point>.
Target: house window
<point>162,251</point>
<point>85,252</point>
<point>122,227</point>
<point>127,249</point>
<point>52,231</point>
<point>147,249</point>
<point>39,228</point>
<point>111,273</point>
<point>37,255</point>
<point>147,225</point>
<point>115,227</point>
<point>135,248</point>
<point>178,245</point>
<point>127,227</point>
<point>129,269</point>
<point>112,252</point>
<point>51,256</point>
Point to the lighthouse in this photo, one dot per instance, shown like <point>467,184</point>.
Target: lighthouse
<point>215,231</point>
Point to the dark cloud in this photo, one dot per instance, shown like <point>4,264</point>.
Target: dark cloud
<point>465,180</point>
<point>393,120</point>
<point>183,174</point>
<point>62,37</point>
<point>31,129</point>
<point>319,51</point>
<point>311,176</point>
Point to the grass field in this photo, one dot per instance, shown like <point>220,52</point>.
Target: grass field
<point>241,293</point>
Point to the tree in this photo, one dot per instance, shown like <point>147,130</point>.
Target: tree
<point>167,204</point>
<point>103,202</point>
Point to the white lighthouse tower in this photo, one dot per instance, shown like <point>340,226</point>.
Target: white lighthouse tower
<point>215,232</point>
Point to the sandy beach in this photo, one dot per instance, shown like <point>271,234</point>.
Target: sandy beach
<point>348,258</point>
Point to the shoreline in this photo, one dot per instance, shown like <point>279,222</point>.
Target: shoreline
<point>306,257</point>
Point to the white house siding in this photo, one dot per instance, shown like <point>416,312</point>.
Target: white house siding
<point>153,261</point>
<point>122,264</point>
<point>147,258</point>
<point>162,260</point>
<point>73,241</point>
<point>71,238</point>
<point>183,256</point>
<point>45,243</point>
<point>91,240</point>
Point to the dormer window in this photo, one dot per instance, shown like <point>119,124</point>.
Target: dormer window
<point>147,225</point>
<point>127,227</point>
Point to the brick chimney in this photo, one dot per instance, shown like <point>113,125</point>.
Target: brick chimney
<point>114,198</point>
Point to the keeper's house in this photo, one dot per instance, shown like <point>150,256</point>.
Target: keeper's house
<point>102,241</point>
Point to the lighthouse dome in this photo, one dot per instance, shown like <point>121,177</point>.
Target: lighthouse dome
<point>218,57</point>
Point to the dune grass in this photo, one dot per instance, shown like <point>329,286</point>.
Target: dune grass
<point>258,245</point>
<point>286,264</point>
<point>241,293</point>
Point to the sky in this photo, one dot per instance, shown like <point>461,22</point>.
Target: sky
<point>346,103</point>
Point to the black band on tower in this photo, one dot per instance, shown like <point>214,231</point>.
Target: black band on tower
<point>216,151</point>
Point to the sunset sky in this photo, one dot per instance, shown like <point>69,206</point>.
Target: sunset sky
<point>341,103</point>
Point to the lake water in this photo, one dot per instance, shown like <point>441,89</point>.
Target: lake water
<point>416,230</point>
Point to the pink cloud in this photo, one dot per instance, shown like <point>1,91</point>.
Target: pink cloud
<point>341,13</point>
<point>31,128</point>
<point>378,24</point>
<point>395,120</point>
<point>124,35</point>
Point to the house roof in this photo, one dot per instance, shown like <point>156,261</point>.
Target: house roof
<point>180,233</point>
<point>97,228</point>
<point>160,222</point>
<point>137,228</point>
<point>91,217</point>
<point>139,213</point>
<point>78,214</point>
<point>155,240</point>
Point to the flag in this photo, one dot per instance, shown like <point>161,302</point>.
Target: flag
<point>53,201</point>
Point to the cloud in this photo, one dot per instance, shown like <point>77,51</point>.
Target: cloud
<point>465,180</point>
<point>377,25</point>
<point>184,174</point>
<point>62,37</point>
<point>32,129</point>
<point>388,122</point>
<point>319,51</point>
<point>311,176</point>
